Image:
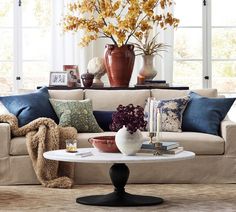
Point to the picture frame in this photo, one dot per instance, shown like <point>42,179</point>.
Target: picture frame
<point>73,75</point>
<point>59,78</point>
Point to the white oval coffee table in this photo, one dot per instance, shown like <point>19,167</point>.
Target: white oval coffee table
<point>119,174</point>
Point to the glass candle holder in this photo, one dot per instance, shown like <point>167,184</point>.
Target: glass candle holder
<point>71,145</point>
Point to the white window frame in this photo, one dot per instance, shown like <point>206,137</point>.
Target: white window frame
<point>206,44</point>
<point>206,39</point>
<point>17,45</point>
<point>17,61</point>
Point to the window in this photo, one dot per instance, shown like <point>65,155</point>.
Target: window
<point>223,45</point>
<point>25,33</point>
<point>6,49</point>
<point>205,44</point>
<point>188,44</point>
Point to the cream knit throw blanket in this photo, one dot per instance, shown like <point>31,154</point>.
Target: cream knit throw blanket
<point>42,135</point>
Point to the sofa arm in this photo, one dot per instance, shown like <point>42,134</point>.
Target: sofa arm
<point>5,137</point>
<point>228,132</point>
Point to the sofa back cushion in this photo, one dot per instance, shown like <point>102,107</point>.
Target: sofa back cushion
<point>163,94</point>
<point>3,109</point>
<point>209,92</point>
<point>74,94</point>
<point>104,119</point>
<point>108,100</point>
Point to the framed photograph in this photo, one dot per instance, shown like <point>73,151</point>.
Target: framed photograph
<point>73,75</point>
<point>58,79</point>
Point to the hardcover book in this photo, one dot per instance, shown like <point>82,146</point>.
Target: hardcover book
<point>165,85</point>
<point>173,151</point>
<point>167,145</point>
<point>155,81</point>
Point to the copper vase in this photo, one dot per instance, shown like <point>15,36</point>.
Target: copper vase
<point>119,62</point>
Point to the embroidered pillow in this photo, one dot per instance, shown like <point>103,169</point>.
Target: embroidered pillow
<point>171,113</point>
<point>205,114</point>
<point>28,107</point>
<point>76,113</point>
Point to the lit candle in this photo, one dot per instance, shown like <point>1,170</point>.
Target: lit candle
<point>140,80</point>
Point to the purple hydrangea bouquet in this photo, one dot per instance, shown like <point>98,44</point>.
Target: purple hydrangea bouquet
<point>130,116</point>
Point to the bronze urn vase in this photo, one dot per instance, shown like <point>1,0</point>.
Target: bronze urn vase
<point>119,62</point>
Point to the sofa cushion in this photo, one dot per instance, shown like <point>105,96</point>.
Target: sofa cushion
<point>3,109</point>
<point>104,119</point>
<point>75,113</point>
<point>18,146</point>
<point>109,100</point>
<point>171,113</point>
<point>200,143</point>
<point>74,94</point>
<point>209,92</point>
<point>28,107</point>
<point>205,114</point>
<point>160,94</point>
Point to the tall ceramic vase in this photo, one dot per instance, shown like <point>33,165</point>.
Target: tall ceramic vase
<point>119,62</point>
<point>148,71</point>
<point>127,143</point>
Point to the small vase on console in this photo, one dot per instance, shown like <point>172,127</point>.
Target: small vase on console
<point>148,71</point>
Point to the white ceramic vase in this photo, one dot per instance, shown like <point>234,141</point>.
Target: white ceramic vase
<point>148,71</point>
<point>127,143</point>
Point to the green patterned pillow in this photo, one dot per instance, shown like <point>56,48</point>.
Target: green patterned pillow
<point>75,113</point>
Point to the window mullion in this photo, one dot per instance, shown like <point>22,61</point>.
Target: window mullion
<point>207,66</point>
<point>17,73</point>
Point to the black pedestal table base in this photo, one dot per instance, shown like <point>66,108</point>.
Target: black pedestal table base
<point>119,174</point>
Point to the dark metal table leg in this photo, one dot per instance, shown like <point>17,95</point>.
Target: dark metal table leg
<point>119,174</point>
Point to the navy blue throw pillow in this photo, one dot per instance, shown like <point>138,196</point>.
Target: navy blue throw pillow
<point>28,107</point>
<point>204,114</point>
<point>104,119</point>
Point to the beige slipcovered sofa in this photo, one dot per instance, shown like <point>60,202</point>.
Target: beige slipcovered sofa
<point>215,160</point>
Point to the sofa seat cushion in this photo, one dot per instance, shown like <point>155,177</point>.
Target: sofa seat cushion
<point>18,146</point>
<point>200,143</point>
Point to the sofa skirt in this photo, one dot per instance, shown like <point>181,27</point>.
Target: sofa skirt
<point>201,169</point>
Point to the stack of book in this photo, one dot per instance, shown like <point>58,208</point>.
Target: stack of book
<point>166,147</point>
<point>153,83</point>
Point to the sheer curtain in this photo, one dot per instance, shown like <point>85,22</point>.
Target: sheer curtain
<point>65,46</point>
<point>164,63</point>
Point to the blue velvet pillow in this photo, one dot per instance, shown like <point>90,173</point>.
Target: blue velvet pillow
<point>104,119</point>
<point>28,107</point>
<point>204,114</point>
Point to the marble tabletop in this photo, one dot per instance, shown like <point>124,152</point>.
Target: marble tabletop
<point>94,156</point>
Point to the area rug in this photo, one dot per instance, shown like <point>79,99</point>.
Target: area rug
<point>178,197</point>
